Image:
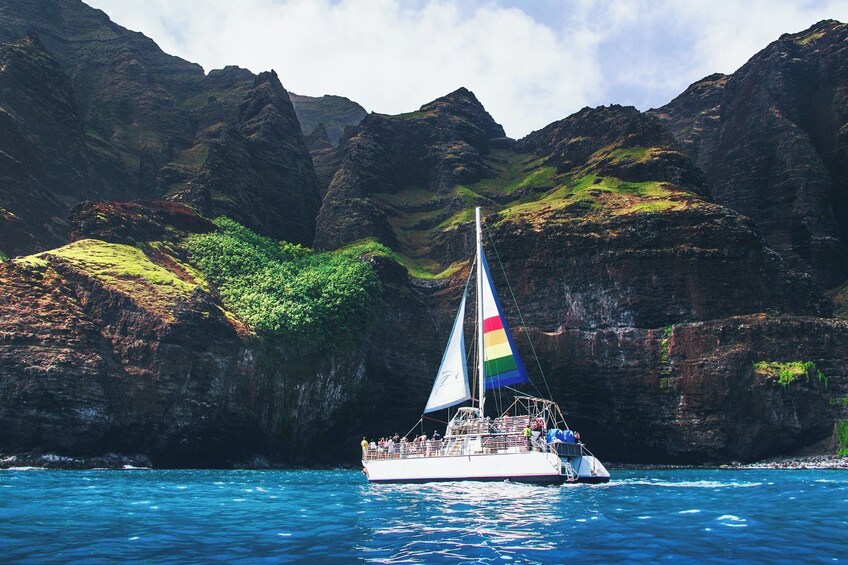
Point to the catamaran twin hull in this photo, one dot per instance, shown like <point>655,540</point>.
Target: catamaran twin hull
<point>528,467</point>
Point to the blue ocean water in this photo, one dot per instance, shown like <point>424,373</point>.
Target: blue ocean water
<point>282,516</point>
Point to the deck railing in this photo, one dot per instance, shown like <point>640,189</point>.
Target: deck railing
<point>470,444</point>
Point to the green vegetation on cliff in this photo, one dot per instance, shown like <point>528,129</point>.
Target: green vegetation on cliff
<point>789,372</point>
<point>839,295</point>
<point>3,257</point>
<point>125,269</point>
<point>314,300</point>
<point>842,437</point>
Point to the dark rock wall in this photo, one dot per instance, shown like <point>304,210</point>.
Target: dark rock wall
<point>648,304</point>
<point>128,121</point>
<point>333,113</point>
<point>771,141</point>
<point>434,149</point>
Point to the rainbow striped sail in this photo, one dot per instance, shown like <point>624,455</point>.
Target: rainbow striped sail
<point>502,365</point>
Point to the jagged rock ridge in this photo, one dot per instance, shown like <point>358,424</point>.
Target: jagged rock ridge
<point>771,140</point>
<point>649,304</point>
<point>138,123</point>
<point>334,113</point>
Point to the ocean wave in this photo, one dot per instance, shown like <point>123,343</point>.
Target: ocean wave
<point>683,484</point>
<point>25,469</point>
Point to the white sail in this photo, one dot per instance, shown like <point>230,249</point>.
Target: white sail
<point>451,385</point>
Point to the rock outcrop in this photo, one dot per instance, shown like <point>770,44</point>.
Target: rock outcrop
<point>771,140</point>
<point>586,215</point>
<point>653,303</point>
<point>117,345</point>
<point>433,150</point>
<point>109,116</point>
<point>326,157</point>
<point>334,113</point>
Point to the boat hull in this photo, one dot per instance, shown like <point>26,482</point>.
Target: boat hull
<point>590,470</point>
<point>527,467</point>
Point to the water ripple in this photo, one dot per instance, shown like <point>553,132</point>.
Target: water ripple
<point>284,516</point>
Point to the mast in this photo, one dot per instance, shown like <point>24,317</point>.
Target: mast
<point>481,362</point>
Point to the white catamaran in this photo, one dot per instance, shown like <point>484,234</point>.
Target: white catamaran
<point>528,442</point>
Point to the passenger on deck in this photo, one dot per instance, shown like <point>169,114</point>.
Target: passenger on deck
<point>528,433</point>
<point>364,444</point>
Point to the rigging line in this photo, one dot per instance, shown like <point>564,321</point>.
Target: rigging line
<point>421,421</point>
<point>520,317</point>
<point>434,419</point>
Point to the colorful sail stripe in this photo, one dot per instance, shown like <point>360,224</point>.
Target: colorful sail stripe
<point>501,363</point>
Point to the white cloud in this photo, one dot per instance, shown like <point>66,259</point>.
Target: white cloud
<point>529,64</point>
<point>387,57</point>
<point>653,52</point>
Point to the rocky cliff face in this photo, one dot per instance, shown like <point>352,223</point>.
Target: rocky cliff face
<point>432,150</point>
<point>326,157</point>
<point>114,343</point>
<point>659,313</point>
<point>771,140</point>
<point>586,215</point>
<point>334,113</point>
<point>42,145</point>
<point>134,122</point>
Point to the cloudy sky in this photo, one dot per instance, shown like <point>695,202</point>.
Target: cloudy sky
<point>529,62</point>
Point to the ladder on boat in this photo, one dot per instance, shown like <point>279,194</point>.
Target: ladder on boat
<point>568,471</point>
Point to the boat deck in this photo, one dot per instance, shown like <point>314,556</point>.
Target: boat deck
<point>486,436</point>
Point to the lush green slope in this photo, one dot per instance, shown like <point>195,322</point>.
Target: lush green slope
<point>313,300</point>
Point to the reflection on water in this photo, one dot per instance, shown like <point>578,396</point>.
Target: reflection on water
<point>442,519</point>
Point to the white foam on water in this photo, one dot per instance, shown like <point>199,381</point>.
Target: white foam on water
<point>693,511</point>
<point>644,518</point>
<point>134,538</point>
<point>284,534</point>
<point>732,521</point>
<point>683,484</point>
<point>181,487</point>
<point>580,520</point>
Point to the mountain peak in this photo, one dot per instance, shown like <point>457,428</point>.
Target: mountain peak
<point>463,104</point>
<point>814,32</point>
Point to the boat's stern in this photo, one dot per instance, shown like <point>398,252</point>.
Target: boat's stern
<point>589,469</point>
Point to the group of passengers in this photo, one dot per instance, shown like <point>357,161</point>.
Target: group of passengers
<point>399,447</point>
